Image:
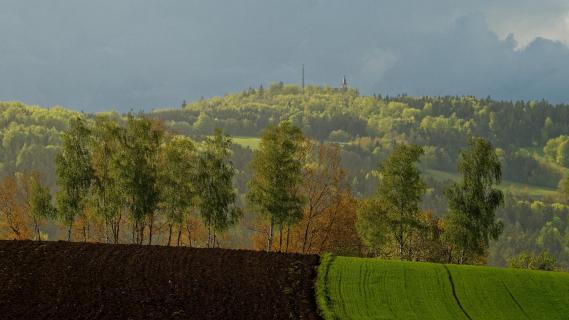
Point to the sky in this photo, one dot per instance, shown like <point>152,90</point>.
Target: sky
<point>145,54</point>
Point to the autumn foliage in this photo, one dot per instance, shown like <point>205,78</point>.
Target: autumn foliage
<point>15,221</point>
<point>329,212</point>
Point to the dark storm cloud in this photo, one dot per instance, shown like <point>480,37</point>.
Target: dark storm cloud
<point>95,55</point>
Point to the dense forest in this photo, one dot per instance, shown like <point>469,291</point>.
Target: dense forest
<point>531,140</point>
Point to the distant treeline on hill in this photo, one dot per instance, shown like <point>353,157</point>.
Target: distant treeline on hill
<point>531,138</point>
<point>374,123</point>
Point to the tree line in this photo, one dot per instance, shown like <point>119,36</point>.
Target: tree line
<point>131,180</point>
<point>392,223</point>
<point>133,172</point>
<point>109,172</point>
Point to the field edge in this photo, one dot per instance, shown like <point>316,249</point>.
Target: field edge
<point>323,300</point>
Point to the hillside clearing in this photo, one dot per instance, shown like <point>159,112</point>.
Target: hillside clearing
<point>506,186</point>
<point>247,142</point>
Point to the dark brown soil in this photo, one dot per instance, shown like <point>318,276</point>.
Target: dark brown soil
<point>61,280</point>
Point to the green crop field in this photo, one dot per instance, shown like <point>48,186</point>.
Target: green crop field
<point>360,288</point>
<point>506,186</point>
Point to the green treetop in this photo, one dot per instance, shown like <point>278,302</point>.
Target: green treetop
<point>395,208</point>
<point>214,184</point>
<point>175,178</point>
<point>39,201</point>
<point>277,176</point>
<point>137,172</point>
<point>471,221</point>
<point>74,172</point>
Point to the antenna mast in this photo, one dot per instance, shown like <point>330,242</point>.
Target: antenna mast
<point>303,78</point>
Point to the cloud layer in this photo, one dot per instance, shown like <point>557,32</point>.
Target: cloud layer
<point>127,54</point>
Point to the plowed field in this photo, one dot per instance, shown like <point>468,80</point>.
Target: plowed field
<point>60,280</point>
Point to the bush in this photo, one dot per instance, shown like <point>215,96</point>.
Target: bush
<point>544,261</point>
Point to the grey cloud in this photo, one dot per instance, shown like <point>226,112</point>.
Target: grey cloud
<point>143,54</point>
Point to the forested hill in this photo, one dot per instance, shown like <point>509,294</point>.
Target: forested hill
<point>532,137</point>
<point>335,114</point>
<point>30,137</point>
<point>365,125</point>
<point>370,125</point>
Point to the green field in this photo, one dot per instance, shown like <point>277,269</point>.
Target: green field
<point>360,288</point>
<point>506,186</point>
<point>247,142</point>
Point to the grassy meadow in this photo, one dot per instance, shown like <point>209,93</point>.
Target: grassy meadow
<point>247,142</point>
<point>506,186</point>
